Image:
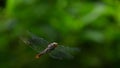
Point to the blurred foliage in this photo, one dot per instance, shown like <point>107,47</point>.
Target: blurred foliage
<point>91,25</point>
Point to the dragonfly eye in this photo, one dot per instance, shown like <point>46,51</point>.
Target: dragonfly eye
<point>55,44</point>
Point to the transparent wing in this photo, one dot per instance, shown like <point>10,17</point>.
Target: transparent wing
<point>62,52</point>
<point>36,43</point>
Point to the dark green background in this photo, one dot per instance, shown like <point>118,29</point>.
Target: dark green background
<point>91,25</point>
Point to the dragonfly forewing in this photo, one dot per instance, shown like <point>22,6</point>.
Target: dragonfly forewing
<point>36,43</point>
<point>62,52</point>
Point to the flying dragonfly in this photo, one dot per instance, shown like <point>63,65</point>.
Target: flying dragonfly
<point>42,46</point>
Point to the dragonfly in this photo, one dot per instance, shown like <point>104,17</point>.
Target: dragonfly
<point>43,47</point>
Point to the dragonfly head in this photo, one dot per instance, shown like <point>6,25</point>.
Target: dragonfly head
<point>55,44</point>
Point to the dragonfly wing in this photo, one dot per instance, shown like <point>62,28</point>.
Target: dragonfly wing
<point>34,42</point>
<point>62,52</point>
